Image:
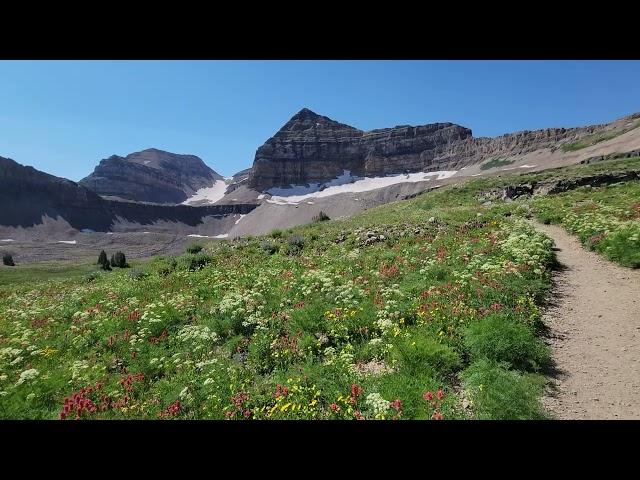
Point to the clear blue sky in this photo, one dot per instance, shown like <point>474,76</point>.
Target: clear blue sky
<point>64,116</point>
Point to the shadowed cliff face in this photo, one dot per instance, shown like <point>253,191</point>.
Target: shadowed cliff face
<point>151,176</point>
<point>311,148</point>
<point>27,195</point>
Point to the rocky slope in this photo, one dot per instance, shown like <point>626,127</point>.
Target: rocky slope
<point>151,176</point>
<point>311,148</point>
<point>32,195</point>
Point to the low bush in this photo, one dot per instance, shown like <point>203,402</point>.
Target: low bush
<point>500,339</point>
<point>7,260</point>
<point>499,393</point>
<point>195,262</point>
<point>269,247</point>
<point>194,248</point>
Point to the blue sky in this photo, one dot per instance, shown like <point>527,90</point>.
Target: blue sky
<point>63,117</point>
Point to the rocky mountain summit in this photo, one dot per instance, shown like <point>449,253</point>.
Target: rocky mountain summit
<point>151,175</point>
<point>32,195</point>
<point>311,148</point>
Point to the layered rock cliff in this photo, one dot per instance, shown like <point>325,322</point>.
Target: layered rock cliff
<point>151,176</point>
<point>311,148</point>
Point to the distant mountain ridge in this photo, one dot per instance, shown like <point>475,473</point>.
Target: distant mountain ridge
<point>30,195</point>
<point>311,148</point>
<point>151,175</point>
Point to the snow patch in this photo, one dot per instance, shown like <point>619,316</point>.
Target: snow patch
<point>209,194</point>
<point>7,240</point>
<point>69,242</point>
<point>261,196</point>
<point>147,162</point>
<point>347,183</point>
<point>527,166</point>
<point>224,235</point>
<point>241,217</point>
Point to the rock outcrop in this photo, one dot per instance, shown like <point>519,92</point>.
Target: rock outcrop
<point>311,148</point>
<point>151,176</point>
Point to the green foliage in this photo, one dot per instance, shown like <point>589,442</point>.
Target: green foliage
<point>194,248</point>
<point>606,219</point>
<point>7,260</point>
<point>500,393</point>
<point>102,258</point>
<point>501,339</point>
<point>420,353</point>
<point>119,260</point>
<point>193,262</point>
<point>295,244</point>
<point>276,233</point>
<point>269,247</point>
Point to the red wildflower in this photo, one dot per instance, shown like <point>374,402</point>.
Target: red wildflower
<point>427,396</point>
<point>396,404</point>
<point>436,415</point>
<point>356,391</point>
<point>439,394</point>
<point>334,407</point>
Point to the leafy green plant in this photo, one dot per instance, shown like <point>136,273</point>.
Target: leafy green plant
<point>194,248</point>
<point>500,339</point>
<point>500,393</point>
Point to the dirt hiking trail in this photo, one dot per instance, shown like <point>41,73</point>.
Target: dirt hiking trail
<point>594,322</point>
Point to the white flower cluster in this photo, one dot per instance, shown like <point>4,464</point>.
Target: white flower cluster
<point>386,317</point>
<point>197,333</point>
<point>527,246</point>
<point>377,405</point>
<point>27,375</point>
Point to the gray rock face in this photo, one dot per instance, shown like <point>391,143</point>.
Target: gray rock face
<point>31,194</point>
<point>151,176</point>
<point>311,148</point>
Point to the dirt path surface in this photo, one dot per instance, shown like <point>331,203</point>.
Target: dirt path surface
<point>594,334</point>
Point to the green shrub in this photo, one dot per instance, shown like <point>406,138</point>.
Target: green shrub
<point>269,247</point>
<point>501,339</point>
<point>501,394</point>
<point>102,257</point>
<point>295,244</point>
<point>7,260</point>
<point>420,353</point>
<point>138,274</point>
<point>276,233</point>
<point>195,262</point>
<point>119,260</point>
<point>194,248</point>
<point>165,266</point>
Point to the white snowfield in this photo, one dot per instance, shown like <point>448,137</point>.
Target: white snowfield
<point>347,183</point>
<point>224,235</point>
<point>69,242</point>
<point>7,240</point>
<point>210,194</point>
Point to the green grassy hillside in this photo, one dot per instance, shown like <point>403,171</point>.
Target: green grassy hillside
<point>421,309</point>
